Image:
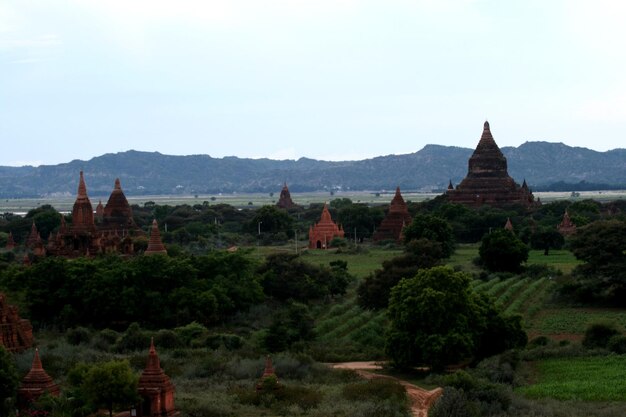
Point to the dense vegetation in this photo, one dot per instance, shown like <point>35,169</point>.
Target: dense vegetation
<point>213,313</point>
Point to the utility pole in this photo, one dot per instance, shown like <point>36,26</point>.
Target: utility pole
<point>258,242</point>
<point>296,231</point>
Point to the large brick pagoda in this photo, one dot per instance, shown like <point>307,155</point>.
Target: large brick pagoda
<point>488,181</point>
<point>396,219</point>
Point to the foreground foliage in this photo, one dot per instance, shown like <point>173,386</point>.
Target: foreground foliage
<point>437,320</point>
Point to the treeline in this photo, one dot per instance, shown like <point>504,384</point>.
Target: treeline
<point>162,291</point>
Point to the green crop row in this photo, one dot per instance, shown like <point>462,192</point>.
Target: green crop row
<point>513,290</point>
<point>530,290</point>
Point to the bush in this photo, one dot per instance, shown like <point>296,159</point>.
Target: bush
<point>381,389</point>
<point>229,341</point>
<point>104,339</point>
<point>598,335</point>
<point>133,339</point>
<point>454,403</point>
<point>167,339</point>
<point>501,250</point>
<point>77,336</point>
<point>617,344</point>
<point>190,332</point>
<point>538,341</point>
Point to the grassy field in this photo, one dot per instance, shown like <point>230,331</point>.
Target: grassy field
<point>599,378</point>
<point>568,321</point>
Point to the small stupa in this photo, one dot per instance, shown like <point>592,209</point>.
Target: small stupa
<point>156,389</point>
<point>396,219</point>
<point>285,201</point>
<point>10,242</point>
<point>36,383</point>
<point>567,226</point>
<point>508,226</point>
<point>268,372</point>
<point>155,245</point>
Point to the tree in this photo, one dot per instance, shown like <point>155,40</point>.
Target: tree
<point>501,250</point>
<point>437,320</point>
<point>373,292</point>
<point>271,219</point>
<point>8,381</point>
<point>436,229</point>
<point>601,246</point>
<point>110,385</point>
<point>285,276</point>
<point>546,238</point>
<point>290,325</point>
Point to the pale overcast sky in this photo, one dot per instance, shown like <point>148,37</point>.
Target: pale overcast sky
<point>325,79</point>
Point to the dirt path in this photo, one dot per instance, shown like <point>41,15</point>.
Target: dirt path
<point>421,399</point>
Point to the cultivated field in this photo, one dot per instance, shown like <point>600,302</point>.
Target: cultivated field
<point>22,205</point>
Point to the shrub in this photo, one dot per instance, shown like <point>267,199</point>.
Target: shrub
<point>133,339</point>
<point>381,389</point>
<point>190,332</point>
<point>617,344</point>
<point>454,403</point>
<point>104,339</point>
<point>597,335</point>
<point>167,339</point>
<point>77,336</point>
<point>229,341</point>
<point>538,341</point>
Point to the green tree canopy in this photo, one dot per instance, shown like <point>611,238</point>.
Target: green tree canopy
<point>8,380</point>
<point>546,238</point>
<point>373,292</point>
<point>501,250</point>
<point>437,320</point>
<point>436,229</point>
<point>601,245</point>
<point>111,385</point>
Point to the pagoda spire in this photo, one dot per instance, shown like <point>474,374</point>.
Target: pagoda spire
<point>82,188</point>
<point>155,245</point>
<point>508,226</point>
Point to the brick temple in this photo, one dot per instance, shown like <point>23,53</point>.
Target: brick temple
<point>396,219</point>
<point>285,201</point>
<point>16,333</point>
<point>488,181</point>
<point>321,234</point>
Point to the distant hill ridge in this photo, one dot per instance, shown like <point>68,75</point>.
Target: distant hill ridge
<point>152,173</point>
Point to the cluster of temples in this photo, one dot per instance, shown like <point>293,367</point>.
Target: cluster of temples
<point>110,229</point>
<point>488,181</point>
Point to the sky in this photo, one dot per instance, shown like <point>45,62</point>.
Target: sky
<point>323,79</point>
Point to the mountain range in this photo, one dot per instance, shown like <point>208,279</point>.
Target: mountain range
<point>542,164</point>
